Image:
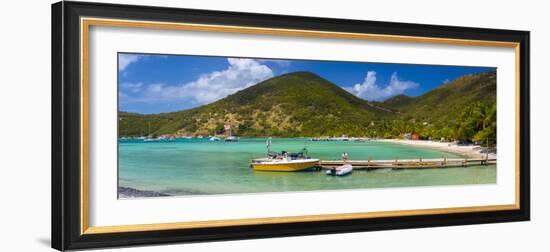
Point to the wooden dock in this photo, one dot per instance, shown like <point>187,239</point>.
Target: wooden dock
<point>407,163</point>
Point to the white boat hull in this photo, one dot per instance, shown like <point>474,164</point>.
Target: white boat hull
<point>284,165</point>
<point>340,171</point>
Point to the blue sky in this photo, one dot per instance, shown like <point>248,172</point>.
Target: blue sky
<point>165,83</point>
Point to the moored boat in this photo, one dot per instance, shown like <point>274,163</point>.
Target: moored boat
<point>231,139</point>
<point>150,139</point>
<point>160,139</point>
<point>284,161</point>
<point>288,164</point>
<point>340,171</point>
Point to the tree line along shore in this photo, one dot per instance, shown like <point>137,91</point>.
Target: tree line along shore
<point>304,104</point>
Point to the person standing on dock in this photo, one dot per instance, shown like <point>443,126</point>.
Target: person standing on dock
<point>345,156</point>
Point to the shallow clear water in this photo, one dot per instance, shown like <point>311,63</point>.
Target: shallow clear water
<point>198,166</point>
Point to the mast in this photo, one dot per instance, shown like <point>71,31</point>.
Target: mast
<point>268,144</point>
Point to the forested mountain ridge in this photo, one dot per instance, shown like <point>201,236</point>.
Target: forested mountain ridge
<point>304,104</point>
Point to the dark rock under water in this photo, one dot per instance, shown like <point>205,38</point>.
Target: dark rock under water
<point>128,192</point>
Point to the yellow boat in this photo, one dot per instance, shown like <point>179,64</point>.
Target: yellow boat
<point>268,164</point>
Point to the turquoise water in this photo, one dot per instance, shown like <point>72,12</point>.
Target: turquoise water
<point>198,166</point>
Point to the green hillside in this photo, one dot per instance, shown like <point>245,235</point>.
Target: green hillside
<point>447,101</point>
<point>304,104</point>
<point>462,109</point>
<point>296,104</point>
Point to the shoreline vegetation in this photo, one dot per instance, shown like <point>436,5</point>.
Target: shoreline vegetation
<point>304,104</point>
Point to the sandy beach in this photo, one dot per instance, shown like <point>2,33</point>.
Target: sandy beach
<point>468,151</point>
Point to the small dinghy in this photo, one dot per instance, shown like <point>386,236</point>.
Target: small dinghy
<point>340,171</point>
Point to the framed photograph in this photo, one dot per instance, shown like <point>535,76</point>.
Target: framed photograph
<point>180,125</point>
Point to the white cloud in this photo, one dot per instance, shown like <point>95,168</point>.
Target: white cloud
<point>132,87</point>
<point>124,60</point>
<point>240,74</point>
<point>281,63</point>
<point>372,91</point>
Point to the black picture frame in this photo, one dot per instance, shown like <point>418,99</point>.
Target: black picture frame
<point>66,152</point>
